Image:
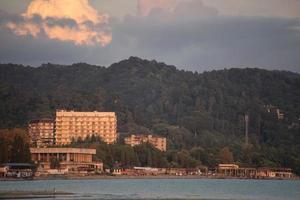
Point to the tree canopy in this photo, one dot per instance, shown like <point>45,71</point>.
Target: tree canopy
<point>198,113</point>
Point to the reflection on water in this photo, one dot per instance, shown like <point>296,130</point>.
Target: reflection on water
<point>204,189</point>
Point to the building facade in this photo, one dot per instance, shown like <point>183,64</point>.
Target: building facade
<point>70,159</point>
<point>276,111</point>
<point>17,170</point>
<point>41,132</point>
<point>232,170</point>
<point>158,142</point>
<point>72,125</point>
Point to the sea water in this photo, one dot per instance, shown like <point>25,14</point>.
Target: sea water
<point>202,189</point>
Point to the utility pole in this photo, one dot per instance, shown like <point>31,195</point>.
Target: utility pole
<point>246,128</point>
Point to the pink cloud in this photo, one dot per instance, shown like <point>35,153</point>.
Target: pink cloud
<point>91,26</point>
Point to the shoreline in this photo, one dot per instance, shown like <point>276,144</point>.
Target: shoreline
<point>17,194</point>
<point>124,177</point>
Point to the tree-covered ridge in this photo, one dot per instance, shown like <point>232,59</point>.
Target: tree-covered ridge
<point>197,112</point>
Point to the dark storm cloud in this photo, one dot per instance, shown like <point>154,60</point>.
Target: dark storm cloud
<point>217,42</point>
<point>6,17</point>
<point>50,21</point>
<point>34,51</point>
<point>36,19</point>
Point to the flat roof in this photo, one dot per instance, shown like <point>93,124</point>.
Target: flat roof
<point>82,114</point>
<point>63,150</point>
<point>43,120</point>
<point>145,136</point>
<point>17,164</point>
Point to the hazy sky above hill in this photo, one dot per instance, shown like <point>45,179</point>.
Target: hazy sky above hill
<point>191,34</point>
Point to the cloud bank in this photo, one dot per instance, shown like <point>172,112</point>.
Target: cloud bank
<point>64,20</point>
<point>199,36</point>
<point>258,8</point>
<point>191,34</point>
<point>174,8</point>
<point>145,7</point>
<point>262,8</point>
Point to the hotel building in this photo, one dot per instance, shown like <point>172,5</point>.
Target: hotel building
<point>41,132</point>
<point>158,142</point>
<point>72,125</point>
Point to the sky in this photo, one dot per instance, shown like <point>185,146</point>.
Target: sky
<point>196,35</point>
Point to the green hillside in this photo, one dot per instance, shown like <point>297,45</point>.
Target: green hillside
<point>199,113</point>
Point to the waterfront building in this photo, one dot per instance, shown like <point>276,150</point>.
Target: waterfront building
<point>41,132</point>
<point>227,166</point>
<point>158,142</point>
<point>17,170</point>
<point>70,159</point>
<point>266,172</point>
<point>73,125</point>
<point>232,170</point>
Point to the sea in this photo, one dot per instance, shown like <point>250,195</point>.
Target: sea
<point>202,189</point>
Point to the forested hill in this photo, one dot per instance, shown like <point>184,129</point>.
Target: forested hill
<point>203,110</point>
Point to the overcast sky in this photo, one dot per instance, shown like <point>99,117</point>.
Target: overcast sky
<point>198,35</point>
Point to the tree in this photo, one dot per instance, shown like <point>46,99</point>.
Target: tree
<point>54,163</point>
<point>190,109</point>
<point>4,153</point>
<point>20,151</point>
<point>14,146</point>
<point>226,156</point>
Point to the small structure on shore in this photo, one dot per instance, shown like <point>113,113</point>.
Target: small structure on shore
<point>17,170</point>
<point>232,170</point>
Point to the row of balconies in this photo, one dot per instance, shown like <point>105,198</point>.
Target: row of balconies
<point>73,123</point>
<point>89,130</point>
<point>41,128</point>
<point>84,130</point>
<point>67,134</point>
<point>40,132</point>
<point>89,119</point>
<point>41,124</point>
<point>85,126</point>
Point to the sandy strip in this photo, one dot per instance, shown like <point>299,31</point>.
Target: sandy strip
<point>31,194</point>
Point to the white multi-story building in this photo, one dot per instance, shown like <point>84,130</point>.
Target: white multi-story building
<point>158,142</point>
<point>41,132</point>
<point>72,125</point>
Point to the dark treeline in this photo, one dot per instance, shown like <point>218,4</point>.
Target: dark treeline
<point>120,155</point>
<point>201,115</point>
<point>14,146</point>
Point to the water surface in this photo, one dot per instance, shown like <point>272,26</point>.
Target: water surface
<point>202,189</point>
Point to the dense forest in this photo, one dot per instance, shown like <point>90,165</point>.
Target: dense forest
<point>200,114</point>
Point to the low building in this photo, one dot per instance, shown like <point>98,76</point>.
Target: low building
<point>177,171</point>
<point>143,171</point>
<point>276,111</point>
<point>158,142</point>
<point>227,166</point>
<point>266,172</point>
<point>69,159</point>
<point>232,170</point>
<point>17,170</point>
<point>41,132</point>
<point>227,169</point>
